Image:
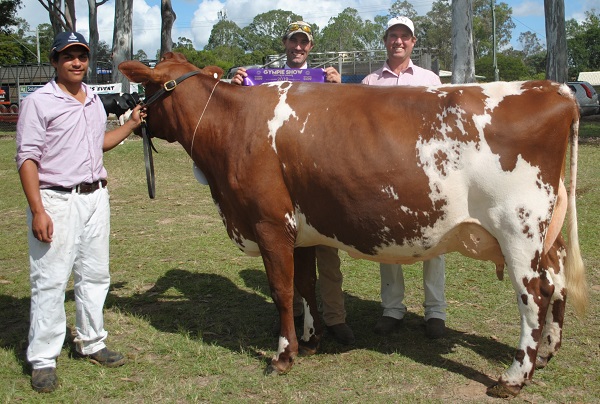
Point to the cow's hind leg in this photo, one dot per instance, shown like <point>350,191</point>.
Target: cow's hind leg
<point>534,290</point>
<point>305,278</point>
<point>552,334</point>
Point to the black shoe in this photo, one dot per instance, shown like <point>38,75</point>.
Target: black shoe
<point>44,380</point>
<point>386,325</point>
<point>435,328</point>
<point>107,358</point>
<point>342,333</point>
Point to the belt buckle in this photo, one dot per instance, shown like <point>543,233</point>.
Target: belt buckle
<point>84,188</point>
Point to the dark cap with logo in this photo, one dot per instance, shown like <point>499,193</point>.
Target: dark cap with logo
<point>66,39</point>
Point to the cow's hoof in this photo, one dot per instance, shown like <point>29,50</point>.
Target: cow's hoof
<point>307,348</point>
<point>278,367</point>
<point>501,390</point>
<point>541,363</point>
<point>310,347</point>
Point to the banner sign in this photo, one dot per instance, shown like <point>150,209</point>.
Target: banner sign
<point>109,88</point>
<point>24,91</point>
<point>267,75</point>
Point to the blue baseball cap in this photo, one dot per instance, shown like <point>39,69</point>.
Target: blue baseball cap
<point>66,39</point>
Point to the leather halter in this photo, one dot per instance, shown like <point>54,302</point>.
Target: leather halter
<point>146,136</point>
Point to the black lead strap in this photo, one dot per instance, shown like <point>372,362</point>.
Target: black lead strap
<point>147,137</point>
<point>149,161</point>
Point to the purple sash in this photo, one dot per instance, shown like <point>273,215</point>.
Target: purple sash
<point>266,75</point>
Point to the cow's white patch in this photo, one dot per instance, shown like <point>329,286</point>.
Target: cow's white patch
<point>472,173</point>
<point>290,221</point>
<point>309,323</point>
<point>282,112</point>
<point>283,343</point>
<point>497,91</point>
<point>389,191</point>
<point>249,247</point>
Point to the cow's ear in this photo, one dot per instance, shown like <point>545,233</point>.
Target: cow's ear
<point>137,72</point>
<point>213,71</point>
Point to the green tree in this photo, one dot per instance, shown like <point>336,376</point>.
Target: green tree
<point>404,8</point>
<point>530,43</point>
<point>372,35</point>
<point>583,44</point>
<point>511,68</point>
<point>11,52</point>
<point>224,33</point>
<point>483,27</point>
<point>435,29</point>
<point>265,31</point>
<point>183,43</point>
<point>345,32</point>
<point>140,55</point>
<point>8,14</point>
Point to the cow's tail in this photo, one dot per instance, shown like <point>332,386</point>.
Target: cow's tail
<point>575,276</point>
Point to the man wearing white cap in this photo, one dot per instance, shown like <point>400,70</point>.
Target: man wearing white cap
<point>298,42</point>
<point>399,70</point>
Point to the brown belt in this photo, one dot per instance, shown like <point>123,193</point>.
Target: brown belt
<point>83,188</point>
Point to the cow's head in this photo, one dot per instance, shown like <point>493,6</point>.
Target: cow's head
<point>172,66</point>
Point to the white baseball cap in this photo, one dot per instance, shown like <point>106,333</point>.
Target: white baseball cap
<point>402,20</point>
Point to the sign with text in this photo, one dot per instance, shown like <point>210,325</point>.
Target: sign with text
<point>267,75</point>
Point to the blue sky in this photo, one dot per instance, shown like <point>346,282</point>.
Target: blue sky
<point>195,18</point>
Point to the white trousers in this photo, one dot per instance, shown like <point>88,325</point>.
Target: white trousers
<point>80,244</point>
<point>392,289</point>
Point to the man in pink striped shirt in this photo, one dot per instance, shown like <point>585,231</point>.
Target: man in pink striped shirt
<point>399,70</point>
<point>60,144</point>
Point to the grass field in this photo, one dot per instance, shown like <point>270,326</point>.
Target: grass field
<point>195,319</point>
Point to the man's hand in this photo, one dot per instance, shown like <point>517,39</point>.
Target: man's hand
<point>42,227</point>
<point>332,75</point>
<point>137,116</point>
<point>239,77</point>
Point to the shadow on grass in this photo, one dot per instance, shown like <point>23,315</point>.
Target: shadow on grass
<point>212,308</point>
<point>14,320</point>
<point>205,306</point>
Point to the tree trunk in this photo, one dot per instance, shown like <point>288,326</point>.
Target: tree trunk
<point>93,40</point>
<point>70,17</point>
<point>168,18</point>
<point>463,66</point>
<point>58,19</point>
<point>556,41</point>
<point>122,40</point>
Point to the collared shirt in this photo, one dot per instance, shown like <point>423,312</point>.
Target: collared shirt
<point>412,76</point>
<point>304,66</point>
<point>62,136</point>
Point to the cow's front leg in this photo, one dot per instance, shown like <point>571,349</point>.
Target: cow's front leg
<point>534,291</point>
<point>305,279</point>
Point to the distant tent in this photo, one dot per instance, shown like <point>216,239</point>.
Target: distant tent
<point>591,77</point>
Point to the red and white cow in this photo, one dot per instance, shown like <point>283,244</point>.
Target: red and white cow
<point>390,174</point>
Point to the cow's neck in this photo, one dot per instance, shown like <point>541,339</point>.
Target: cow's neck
<point>210,96</point>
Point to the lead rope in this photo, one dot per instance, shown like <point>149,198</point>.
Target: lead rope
<point>198,124</point>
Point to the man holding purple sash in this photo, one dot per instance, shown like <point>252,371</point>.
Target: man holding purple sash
<point>298,42</point>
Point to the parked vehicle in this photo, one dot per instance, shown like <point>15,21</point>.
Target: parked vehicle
<point>586,96</point>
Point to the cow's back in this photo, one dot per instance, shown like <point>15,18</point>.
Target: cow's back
<point>403,167</point>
